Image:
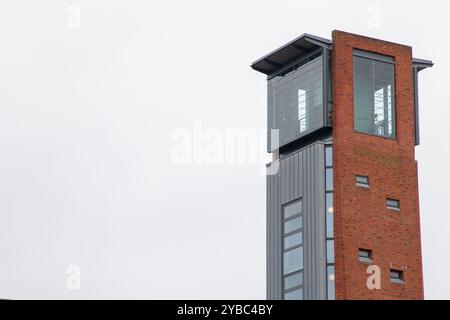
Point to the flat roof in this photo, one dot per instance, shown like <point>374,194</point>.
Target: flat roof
<point>289,52</point>
<point>301,46</point>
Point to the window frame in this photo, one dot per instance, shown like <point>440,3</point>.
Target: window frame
<point>362,184</point>
<point>285,250</point>
<point>329,218</point>
<point>401,276</point>
<point>393,207</point>
<point>363,259</point>
<point>384,59</point>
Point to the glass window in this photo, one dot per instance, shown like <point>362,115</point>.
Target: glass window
<point>328,156</point>
<point>374,97</point>
<point>292,225</point>
<point>393,204</point>
<point>301,102</point>
<point>329,208</point>
<point>293,240</point>
<point>292,209</point>
<point>329,179</point>
<point>293,281</point>
<point>362,181</point>
<point>294,295</point>
<point>330,251</point>
<point>396,276</point>
<point>295,102</point>
<point>330,283</point>
<point>293,260</point>
<point>365,255</point>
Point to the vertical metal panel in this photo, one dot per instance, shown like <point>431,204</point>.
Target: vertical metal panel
<point>321,229</point>
<point>301,175</point>
<point>296,175</point>
<point>269,251</point>
<point>277,235</point>
<point>416,106</point>
<point>291,177</point>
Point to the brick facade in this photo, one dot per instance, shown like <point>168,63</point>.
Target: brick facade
<point>361,218</point>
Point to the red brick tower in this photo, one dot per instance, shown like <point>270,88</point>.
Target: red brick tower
<point>342,189</point>
<point>362,218</point>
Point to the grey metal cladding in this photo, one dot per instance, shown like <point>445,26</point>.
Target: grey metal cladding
<point>418,65</point>
<point>301,175</point>
<point>421,64</point>
<point>416,107</point>
<point>295,103</point>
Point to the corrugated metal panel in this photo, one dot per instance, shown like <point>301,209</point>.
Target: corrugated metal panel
<point>301,175</point>
<point>269,237</point>
<point>416,106</point>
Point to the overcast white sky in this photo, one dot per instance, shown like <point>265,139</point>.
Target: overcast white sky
<point>87,117</point>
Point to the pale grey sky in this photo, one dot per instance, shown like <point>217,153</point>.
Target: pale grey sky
<point>87,117</point>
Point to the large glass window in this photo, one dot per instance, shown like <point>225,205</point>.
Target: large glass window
<point>293,250</point>
<point>295,101</point>
<point>374,94</point>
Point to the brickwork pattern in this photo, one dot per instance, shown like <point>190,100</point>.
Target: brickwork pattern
<point>361,217</point>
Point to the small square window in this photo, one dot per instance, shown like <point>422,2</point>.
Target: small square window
<point>393,204</point>
<point>365,255</point>
<point>362,181</point>
<point>396,276</point>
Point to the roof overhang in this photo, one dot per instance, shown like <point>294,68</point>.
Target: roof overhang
<point>304,45</point>
<point>421,64</point>
<point>282,56</point>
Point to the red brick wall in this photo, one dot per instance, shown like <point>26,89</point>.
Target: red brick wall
<point>361,217</point>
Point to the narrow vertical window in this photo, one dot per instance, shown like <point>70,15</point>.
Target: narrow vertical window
<point>329,215</point>
<point>293,250</point>
<point>330,251</point>
<point>329,220</point>
<point>302,109</point>
<point>329,179</point>
<point>328,157</point>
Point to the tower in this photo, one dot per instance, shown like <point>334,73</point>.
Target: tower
<point>342,189</point>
